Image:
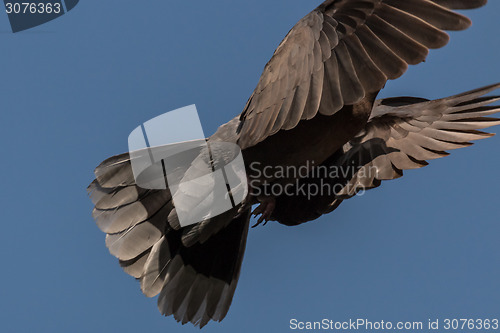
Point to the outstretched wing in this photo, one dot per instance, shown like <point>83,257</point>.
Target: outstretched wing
<point>342,51</point>
<point>404,133</point>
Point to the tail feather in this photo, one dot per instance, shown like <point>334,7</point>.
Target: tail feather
<point>194,269</point>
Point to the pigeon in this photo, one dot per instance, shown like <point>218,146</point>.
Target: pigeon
<point>315,107</point>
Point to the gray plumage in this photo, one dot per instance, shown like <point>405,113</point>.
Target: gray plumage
<point>314,103</point>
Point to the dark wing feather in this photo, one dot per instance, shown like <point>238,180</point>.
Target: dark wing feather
<point>339,53</point>
<point>403,133</point>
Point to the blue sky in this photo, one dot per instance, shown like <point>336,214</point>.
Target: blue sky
<point>424,246</point>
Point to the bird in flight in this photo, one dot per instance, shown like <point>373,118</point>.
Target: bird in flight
<point>314,106</point>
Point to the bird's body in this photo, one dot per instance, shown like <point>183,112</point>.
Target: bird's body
<point>313,107</point>
<point>324,136</point>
